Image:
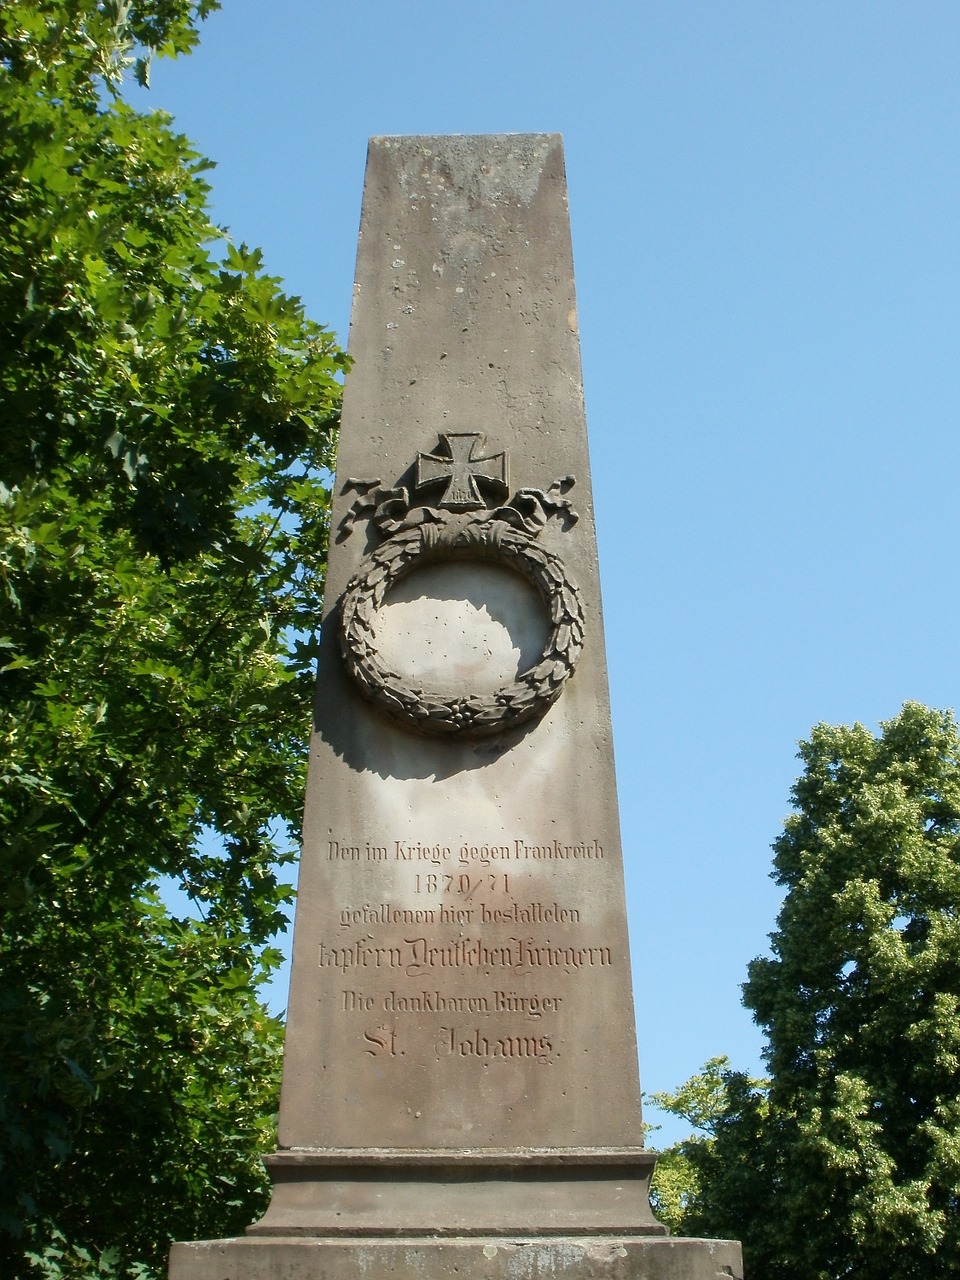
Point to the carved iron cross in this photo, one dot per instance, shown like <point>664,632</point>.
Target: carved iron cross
<point>461,470</point>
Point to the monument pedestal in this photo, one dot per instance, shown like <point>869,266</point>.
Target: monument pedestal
<point>459,1258</point>
<point>568,1191</point>
<point>562,1214</point>
<point>461,1095</point>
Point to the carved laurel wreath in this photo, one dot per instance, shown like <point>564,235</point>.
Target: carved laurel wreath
<point>423,535</point>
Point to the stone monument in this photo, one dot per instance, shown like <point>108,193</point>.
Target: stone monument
<point>461,1093</point>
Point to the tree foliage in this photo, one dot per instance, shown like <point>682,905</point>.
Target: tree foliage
<point>168,422</point>
<point>850,1165</point>
<point>686,1196</point>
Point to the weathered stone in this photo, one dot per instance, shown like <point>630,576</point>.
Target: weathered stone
<point>460,1089</point>
<point>567,1258</point>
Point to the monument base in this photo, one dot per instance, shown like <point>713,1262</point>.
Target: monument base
<point>466,1258</point>
<point>559,1191</point>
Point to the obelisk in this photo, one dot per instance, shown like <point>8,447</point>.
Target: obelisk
<point>461,1092</point>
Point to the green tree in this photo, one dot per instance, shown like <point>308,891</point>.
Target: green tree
<point>168,425</point>
<point>850,1167</point>
<point>718,1103</point>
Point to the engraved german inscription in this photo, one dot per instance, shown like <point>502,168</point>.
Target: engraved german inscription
<point>462,1043</point>
<point>443,913</point>
<point>531,1006</point>
<point>466,854</point>
<point>381,1040</point>
<point>417,956</point>
<point>493,1002</point>
<point>458,922</point>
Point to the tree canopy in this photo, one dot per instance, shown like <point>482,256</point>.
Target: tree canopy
<point>169,424</point>
<point>685,1195</point>
<point>847,1163</point>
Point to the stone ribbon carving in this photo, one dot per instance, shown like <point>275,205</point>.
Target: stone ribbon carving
<point>461,527</point>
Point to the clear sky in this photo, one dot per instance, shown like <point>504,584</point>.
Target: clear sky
<point>764,199</point>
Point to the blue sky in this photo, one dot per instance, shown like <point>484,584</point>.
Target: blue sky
<point>764,202</point>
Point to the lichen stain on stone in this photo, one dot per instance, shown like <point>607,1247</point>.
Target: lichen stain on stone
<point>540,1261</point>
<point>511,171</point>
